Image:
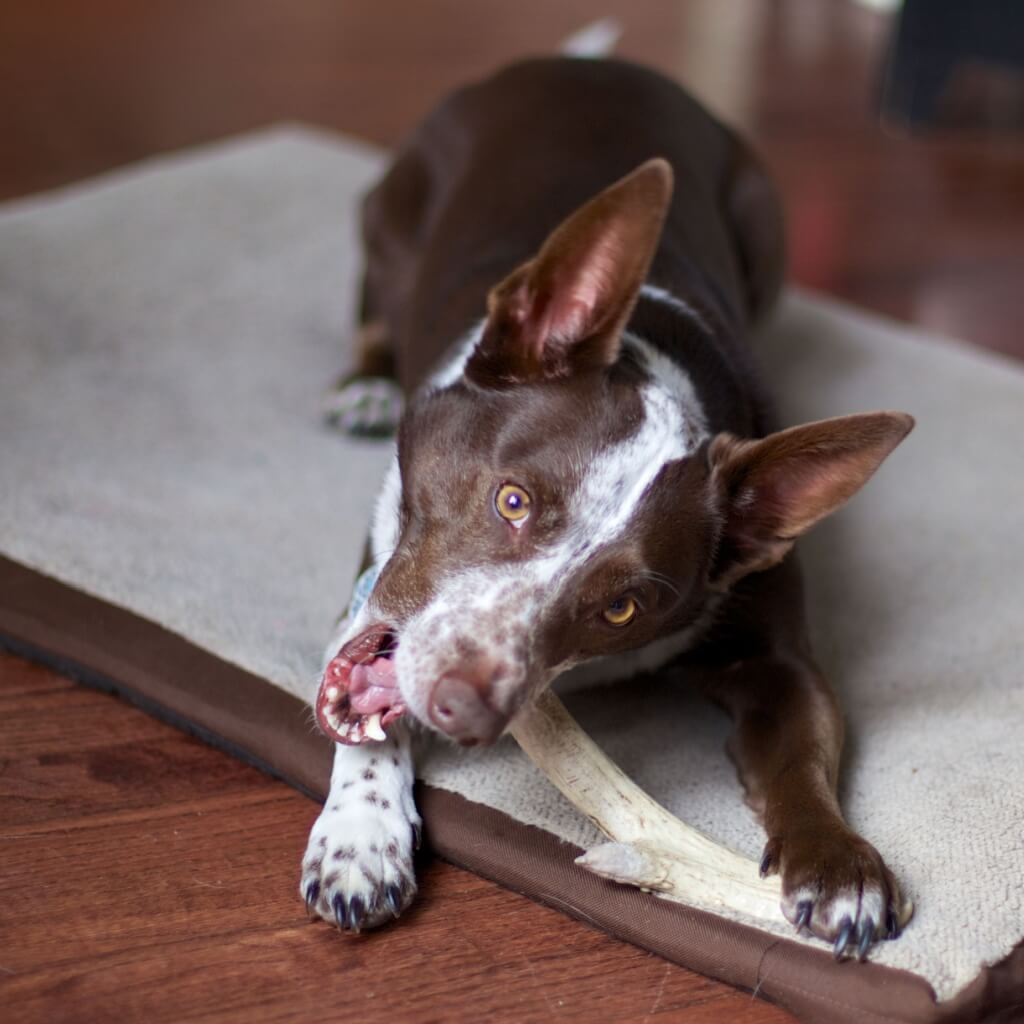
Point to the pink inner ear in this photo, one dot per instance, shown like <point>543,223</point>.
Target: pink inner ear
<point>787,495</point>
<point>563,310</point>
<point>580,295</point>
<point>569,323</point>
<point>778,487</point>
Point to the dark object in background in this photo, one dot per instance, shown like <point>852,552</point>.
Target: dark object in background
<point>958,63</point>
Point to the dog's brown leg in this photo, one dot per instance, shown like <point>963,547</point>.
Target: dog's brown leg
<point>367,400</point>
<point>786,746</point>
<point>373,353</point>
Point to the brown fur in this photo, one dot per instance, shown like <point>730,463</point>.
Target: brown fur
<point>537,188</point>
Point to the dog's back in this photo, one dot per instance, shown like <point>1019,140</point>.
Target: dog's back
<point>497,165</point>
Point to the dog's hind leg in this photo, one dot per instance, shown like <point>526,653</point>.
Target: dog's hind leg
<point>367,400</point>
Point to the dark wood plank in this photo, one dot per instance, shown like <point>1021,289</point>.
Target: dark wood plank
<point>145,876</point>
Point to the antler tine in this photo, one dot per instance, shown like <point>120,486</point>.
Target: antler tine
<point>649,848</point>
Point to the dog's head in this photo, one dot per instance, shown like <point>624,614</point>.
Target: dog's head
<point>556,496</point>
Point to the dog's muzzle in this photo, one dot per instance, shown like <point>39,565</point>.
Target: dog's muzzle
<point>462,703</point>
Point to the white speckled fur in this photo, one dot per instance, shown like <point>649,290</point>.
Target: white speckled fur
<point>361,846</point>
<point>493,611</point>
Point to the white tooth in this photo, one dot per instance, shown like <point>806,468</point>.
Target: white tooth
<point>341,727</point>
<point>373,729</point>
<point>332,693</point>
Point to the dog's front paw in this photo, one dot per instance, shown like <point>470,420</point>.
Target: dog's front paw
<point>836,884</point>
<point>358,866</point>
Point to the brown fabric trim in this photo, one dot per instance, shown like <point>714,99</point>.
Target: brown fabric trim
<point>167,675</point>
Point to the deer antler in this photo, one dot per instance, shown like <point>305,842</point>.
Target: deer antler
<point>649,847</point>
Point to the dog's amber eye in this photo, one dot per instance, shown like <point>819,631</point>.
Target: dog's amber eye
<point>620,612</point>
<point>512,503</point>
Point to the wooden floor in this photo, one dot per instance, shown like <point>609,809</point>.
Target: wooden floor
<point>144,876</point>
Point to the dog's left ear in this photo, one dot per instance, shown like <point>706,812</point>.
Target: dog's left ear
<point>770,491</point>
<point>564,310</point>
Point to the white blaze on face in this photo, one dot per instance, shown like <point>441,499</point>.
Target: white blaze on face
<point>616,481</point>
<point>491,614</point>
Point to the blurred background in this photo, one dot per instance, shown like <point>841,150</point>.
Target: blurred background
<point>894,129</point>
<point>896,133</point>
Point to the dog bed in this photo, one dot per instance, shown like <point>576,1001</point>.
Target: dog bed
<point>177,524</point>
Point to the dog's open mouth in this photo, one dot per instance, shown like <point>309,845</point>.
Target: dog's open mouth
<point>359,693</point>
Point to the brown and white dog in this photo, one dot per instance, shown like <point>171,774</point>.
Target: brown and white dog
<point>563,265</point>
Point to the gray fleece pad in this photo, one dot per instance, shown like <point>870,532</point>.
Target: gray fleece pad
<point>167,337</point>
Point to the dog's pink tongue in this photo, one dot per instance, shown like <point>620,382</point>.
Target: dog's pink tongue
<point>373,687</point>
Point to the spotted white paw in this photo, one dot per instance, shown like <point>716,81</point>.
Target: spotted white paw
<point>365,407</point>
<point>358,867</point>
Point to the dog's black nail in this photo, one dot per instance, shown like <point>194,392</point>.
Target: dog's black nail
<point>417,836</point>
<point>338,905</point>
<point>394,898</point>
<point>843,939</point>
<point>804,909</point>
<point>766,863</point>
<point>867,936</point>
<point>356,913</point>
<point>312,894</point>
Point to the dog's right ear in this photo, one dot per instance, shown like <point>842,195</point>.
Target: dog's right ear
<point>565,310</point>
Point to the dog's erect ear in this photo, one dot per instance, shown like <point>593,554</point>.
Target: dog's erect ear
<point>772,490</point>
<point>564,310</point>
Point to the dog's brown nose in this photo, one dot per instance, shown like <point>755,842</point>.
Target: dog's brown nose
<point>459,706</point>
